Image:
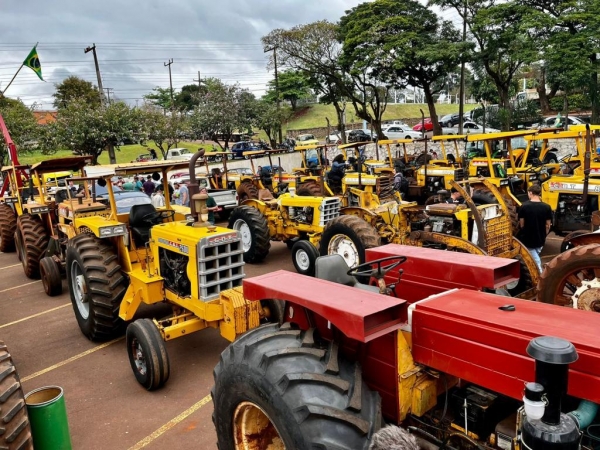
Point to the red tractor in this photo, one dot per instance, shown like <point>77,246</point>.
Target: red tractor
<point>457,366</point>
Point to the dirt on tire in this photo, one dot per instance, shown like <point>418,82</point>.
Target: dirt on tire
<point>8,226</point>
<point>567,274</point>
<point>282,371</point>
<point>257,230</point>
<point>14,423</point>
<point>34,240</point>
<point>247,191</point>
<point>98,264</point>
<point>310,189</point>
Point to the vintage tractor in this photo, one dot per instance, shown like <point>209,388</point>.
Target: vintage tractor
<point>247,185</point>
<point>32,214</point>
<point>421,346</point>
<point>15,429</point>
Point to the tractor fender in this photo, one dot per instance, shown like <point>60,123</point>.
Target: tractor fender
<point>585,239</point>
<point>257,204</point>
<point>365,214</point>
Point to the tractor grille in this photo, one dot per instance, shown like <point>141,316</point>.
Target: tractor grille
<point>330,209</point>
<point>498,234</point>
<point>385,187</point>
<point>220,264</point>
<point>459,174</point>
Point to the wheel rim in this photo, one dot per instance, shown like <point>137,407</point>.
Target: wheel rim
<point>137,354</point>
<point>342,245</point>
<point>580,289</point>
<point>79,289</point>
<point>252,428</point>
<point>241,226</point>
<point>302,260</point>
<point>44,276</point>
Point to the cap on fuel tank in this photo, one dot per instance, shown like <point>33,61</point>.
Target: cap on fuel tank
<point>552,350</point>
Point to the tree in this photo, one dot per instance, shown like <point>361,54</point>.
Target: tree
<point>269,118</point>
<point>400,42</point>
<point>88,131</point>
<point>75,89</point>
<point>163,129</point>
<point>187,98</point>
<point>314,49</point>
<point>293,86</point>
<point>159,97</point>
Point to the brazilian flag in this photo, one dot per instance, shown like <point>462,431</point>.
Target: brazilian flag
<point>33,62</point>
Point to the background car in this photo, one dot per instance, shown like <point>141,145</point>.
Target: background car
<point>239,148</point>
<point>306,139</point>
<point>400,132</point>
<point>472,128</point>
<point>449,120</point>
<point>552,121</point>
<point>358,136</point>
<point>428,125</point>
<point>334,138</point>
<point>241,171</point>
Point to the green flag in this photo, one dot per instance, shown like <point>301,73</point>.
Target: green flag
<point>33,62</point>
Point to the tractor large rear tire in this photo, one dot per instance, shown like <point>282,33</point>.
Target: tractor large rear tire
<point>255,232</point>
<point>8,226</point>
<point>15,431</point>
<point>247,191</point>
<point>349,236</point>
<point>310,189</point>
<point>275,387</point>
<point>566,242</point>
<point>482,196</point>
<point>34,242</point>
<point>96,285</point>
<point>572,273</point>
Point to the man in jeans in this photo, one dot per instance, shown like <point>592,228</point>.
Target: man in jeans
<point>535,219</point>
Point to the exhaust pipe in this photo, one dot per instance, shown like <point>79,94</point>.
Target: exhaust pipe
<point>193,187</point>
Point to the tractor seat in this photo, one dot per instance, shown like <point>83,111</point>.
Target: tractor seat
<point>140,227</point>
<point>264,195</point>
<point>334,268</point>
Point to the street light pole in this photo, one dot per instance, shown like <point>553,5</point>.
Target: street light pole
<point>274,50</point>
<point>461,104</point>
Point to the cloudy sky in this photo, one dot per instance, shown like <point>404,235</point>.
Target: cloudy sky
<point>134,39</point>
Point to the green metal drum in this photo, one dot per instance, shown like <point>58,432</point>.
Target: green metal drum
<point>48,418</point>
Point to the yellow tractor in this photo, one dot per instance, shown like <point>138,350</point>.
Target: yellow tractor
<point>142,256</point>
<point>29,216</point>
<point>246,182</point>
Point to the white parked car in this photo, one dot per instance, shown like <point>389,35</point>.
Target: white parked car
<point>470,127</point>
<point>334,138</point>
<point>400,132</point>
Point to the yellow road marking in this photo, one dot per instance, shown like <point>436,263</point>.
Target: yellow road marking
<point>35,315</point>
<point>71,359</point>
<point>8,267</point>
<point>170,424</point>
<point>21,285</point>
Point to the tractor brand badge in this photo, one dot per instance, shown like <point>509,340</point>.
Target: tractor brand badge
<point>479,163</point>
<point>182,248</point>
<point>222,239</point>
<point>433,172</point>
<point>574,187</point>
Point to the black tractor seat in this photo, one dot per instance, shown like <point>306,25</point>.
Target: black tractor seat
<point>334,268</point>
<point>140,227</point>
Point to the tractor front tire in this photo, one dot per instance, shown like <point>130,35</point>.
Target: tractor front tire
<point>254,229</point>
<point>15,430</point>
<point>8,226</point>
<point>349,236</point>
<point>51,277</point>
<point>275,386</point>
<point>33,241</point>
<point>310,189</point>
<point>247,191</point>
<point>147,354</point>
<point>304,257</point>
<point>570,275</point>
<point>96,285</point>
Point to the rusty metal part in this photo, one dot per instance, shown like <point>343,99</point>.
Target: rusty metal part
<point>254,430</point>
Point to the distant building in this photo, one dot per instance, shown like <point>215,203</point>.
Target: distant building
<point>45,117</point>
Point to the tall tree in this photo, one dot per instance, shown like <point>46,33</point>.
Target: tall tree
<point>163,129</point>
<point>269,118</point>
<point>159,97</point>
<point>75,89</point>
<point>293,86</point>
<point>402,42</point>
<point>187,98</point>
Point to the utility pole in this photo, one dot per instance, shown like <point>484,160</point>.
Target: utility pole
<point>108,94</point>
<point>199,80</point>
<point>170,82</point>
<point>274,50</point>
<point>93,50</point>
<point>461,104</point>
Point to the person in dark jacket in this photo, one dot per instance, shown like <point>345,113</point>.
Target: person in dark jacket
<point>535,220</point>
<point>336,174</point>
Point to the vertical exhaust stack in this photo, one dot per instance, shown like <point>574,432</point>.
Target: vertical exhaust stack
<point>193,187</point>
<point>544,426</point>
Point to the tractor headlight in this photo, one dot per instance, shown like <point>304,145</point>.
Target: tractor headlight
<point>503,182</point>
<point>118,230</point>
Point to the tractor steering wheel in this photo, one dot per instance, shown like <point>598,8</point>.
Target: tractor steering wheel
<point>157,217</point>
<point>366,269</point>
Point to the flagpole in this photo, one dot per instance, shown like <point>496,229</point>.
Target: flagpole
<point>13,78</point>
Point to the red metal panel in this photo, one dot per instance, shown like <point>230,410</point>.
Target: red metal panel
<point>359,314</point>
<point>445,270</point>
<point>464,333</point>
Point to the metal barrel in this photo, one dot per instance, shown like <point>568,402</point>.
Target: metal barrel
<point>48,418</point>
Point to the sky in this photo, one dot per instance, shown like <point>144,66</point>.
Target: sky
<point>135,39</point>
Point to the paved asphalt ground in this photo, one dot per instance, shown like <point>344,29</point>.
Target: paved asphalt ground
<point>107,408</point>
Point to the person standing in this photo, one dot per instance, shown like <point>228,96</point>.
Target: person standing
<point>211,205</point>
<point>149,186</point>
<point>185,195</point>
<point>158,200</point>
<point>138,185</point>
<point>535,219</point>
<point>176,196</point>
